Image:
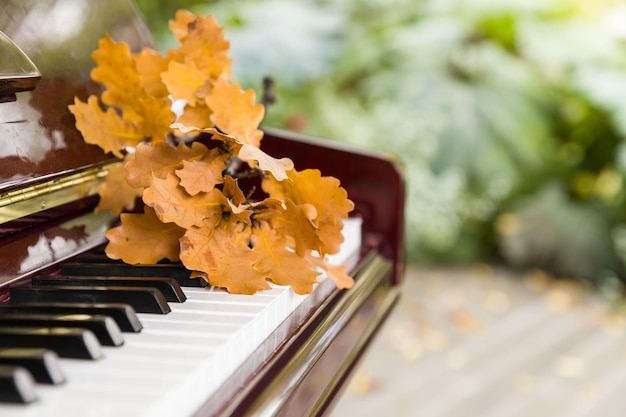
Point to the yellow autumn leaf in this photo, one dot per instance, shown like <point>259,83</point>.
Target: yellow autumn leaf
<point>106,129</point>
<point>183,80</point>
<point>236,112</point>
<point>205,45</point>
<point>143,239</point>
<point>173,204</point>
<point>180,25</point>
<point>159,160</point>
<point>116,70</point>
<point>115,193</point>
<point>325,194</point>
<point>202,175</point>
<point>282,266</point>
<point>150,64</point>
<point>249,153</point>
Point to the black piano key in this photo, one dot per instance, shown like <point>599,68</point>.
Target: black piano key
<point>168,286</point>
<point>143,300</point>
<point>103,327</point>
<point>43,364</point>
<point>123,314</point>
<point>176,271</point>
<point>66,342</point>
<point>17,385</point>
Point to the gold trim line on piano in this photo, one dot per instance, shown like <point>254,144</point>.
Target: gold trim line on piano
<point>32,199</point>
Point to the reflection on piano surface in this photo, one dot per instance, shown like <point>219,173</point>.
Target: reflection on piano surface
<point>156,342</point>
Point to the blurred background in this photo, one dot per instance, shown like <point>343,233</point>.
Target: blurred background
<point>509,118</point>
<point>508,115</point>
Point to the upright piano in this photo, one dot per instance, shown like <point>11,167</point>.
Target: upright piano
<point>171,347</point>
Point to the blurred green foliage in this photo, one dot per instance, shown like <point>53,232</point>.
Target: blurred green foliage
<point>509,115</point>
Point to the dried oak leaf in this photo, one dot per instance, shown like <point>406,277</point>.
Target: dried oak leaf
<point>150,64</point>
<point>249,153</point>
<point>106,129</point>
<point>224,254</point>
<point>239,210</point>
<point>194,116</point>
<point>235,112</point>
<point>283,267</point>
<point>325,194</point>
<point>296,221</point>
<point>205,45</point>
<point>159,160</point>
<point>180,25</point>
<point>173,204</point>
<point>183,80</point>
<point>115,193</point>
<point>203,175</point>
<point>116,70</point>
<point>143,239</point>
<point>336,273</point>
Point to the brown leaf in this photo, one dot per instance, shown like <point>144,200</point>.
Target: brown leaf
<point>206,46</point>
<point>143,239</point>
<point>106,129</point>
<point>183,80</point>
<point>173,204</point>
<point>283,267</point>
<point>296,222</point>
<point>116,70</point>
<point>203,175</point>
<point>223,252</point>
<point>159,160</point>
<point>150,64</point>
<point>115,193</point>
<point>235,112</point>
<point>325,194</point>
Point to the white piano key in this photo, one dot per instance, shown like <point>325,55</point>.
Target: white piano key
<point>178,360</point>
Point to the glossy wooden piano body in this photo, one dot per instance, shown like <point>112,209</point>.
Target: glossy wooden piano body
<point>48,178</point>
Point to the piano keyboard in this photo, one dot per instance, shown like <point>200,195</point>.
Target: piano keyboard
<point>178,360</point>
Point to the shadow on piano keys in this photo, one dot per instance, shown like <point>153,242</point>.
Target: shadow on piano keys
<point>164,345</point>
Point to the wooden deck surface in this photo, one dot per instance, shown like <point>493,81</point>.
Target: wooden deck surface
<point>481,342</point>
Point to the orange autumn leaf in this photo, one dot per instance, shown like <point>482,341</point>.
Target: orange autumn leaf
<point>283,267</point>
<point>173,204</point>
<point>223,253</point>
<point>115,193</point>
<point>205,45</point>
<point>196,249</point>
<point>143,239</point>
<point>325,194</point>
<point>296,221</point>
<point>203,175</point>
<point>194,116</point>
<point>336,273</point>
<point>183,80</point>
<point>180,25</point>
<point>239,210</point>
<point>277,167</point>
<point>246,152</point>
<point>106,129</point>
<point>116,70</point>
<point>236,112</point>
<point>150,64</point>
<point>159,160</point>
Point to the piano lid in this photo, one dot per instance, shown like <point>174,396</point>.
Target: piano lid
<point>38,139</point>
<point>17,73</point>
